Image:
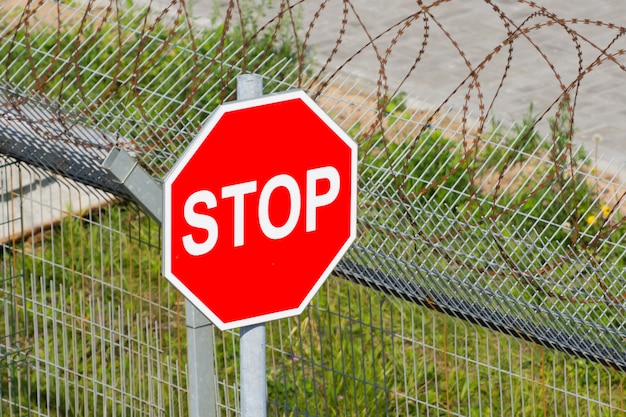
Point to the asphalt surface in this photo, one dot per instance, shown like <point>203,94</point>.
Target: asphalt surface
<point>477,29</point>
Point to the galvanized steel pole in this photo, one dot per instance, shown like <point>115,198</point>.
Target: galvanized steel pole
<point>252,361</point>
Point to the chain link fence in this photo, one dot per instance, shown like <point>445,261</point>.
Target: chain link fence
<point>488,272</point>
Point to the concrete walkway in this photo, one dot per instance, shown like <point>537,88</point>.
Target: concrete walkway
<point>478,30</point>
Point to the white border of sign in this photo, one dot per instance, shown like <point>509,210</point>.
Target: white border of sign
<point>191,150</point>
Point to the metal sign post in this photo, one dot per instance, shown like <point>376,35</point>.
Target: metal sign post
<point>252,359</point>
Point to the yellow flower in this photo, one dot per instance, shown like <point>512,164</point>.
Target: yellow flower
<point>591,219</point>
<point>606,211</point>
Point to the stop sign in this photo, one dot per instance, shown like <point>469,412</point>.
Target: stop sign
<point>259,209</point>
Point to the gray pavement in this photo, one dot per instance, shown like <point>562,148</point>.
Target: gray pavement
<point>601,102</point>
<point>31,201</point>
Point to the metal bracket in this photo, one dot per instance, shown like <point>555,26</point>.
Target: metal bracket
<point>146,191</point>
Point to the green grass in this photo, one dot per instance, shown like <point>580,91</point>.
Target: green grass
<point>422,205</point>
<point>357,351</point>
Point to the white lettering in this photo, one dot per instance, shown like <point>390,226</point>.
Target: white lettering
<point>269,229</point>
<point>315,201</point>
<point>200,221</point>
<point>238,191</point>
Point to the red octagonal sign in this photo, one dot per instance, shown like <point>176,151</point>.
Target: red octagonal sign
<point>259,209</point>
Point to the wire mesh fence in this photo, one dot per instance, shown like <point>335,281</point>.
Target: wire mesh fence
<point>488,273</point>
<point>13,342</point>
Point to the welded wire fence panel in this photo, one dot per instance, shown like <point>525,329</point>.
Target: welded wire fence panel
<point>104,333</point>
<point>14,348</point>
<point>488,274</point>
<point>357,351</point>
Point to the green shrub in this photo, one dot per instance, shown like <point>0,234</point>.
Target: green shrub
<point>429,169</point>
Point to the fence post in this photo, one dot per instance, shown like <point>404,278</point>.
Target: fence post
<point>252,371</point>
<point>148,193</point>
<point>201,373</point>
